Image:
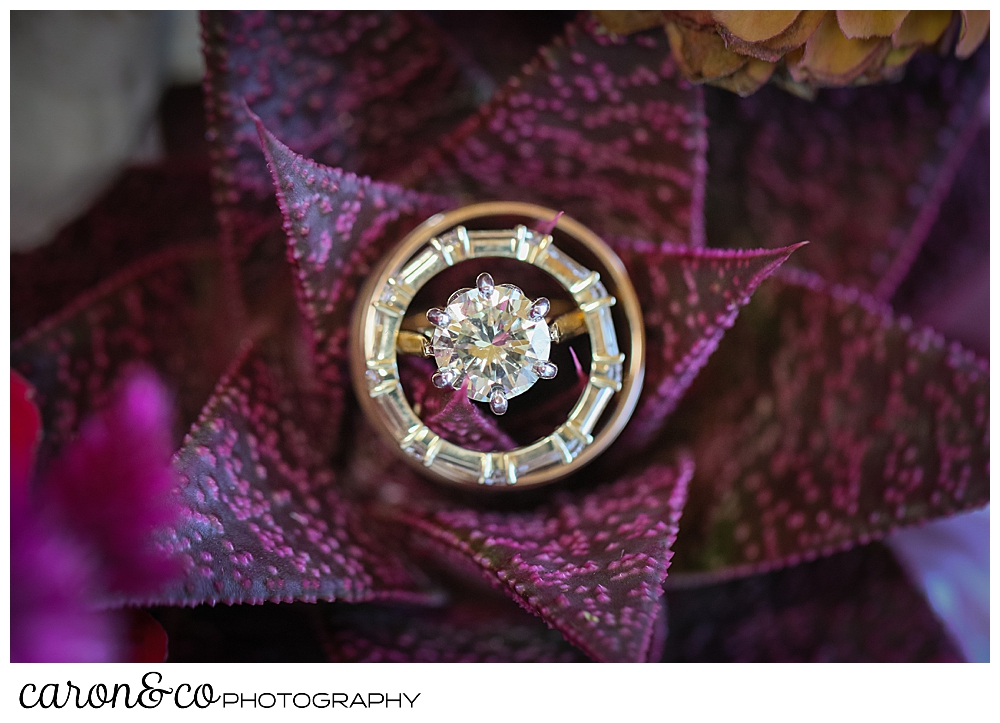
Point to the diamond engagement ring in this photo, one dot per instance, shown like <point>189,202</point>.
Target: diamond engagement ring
<point>491,339</point>
<point>494,341</point>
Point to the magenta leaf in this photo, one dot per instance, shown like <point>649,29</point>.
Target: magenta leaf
<point>112,487</point>
<point>859,172</point>
<point>472,631</point>
<point>591,564</point>
<point>337,225</point>
<point>855,606</point>
<point>824,422</point>
<point>354,90</point>
<point>148,209</point>
<point>536,420</point>
<point>601,127</point>
<point>266,519</point>
<point>689,298</point>
<point>157,313</point>
<point>449,412</point>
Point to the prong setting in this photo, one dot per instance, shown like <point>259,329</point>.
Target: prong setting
<point>496,342</point>
<point>546,370</point>
<point>539,309</point>
<point>438,317</point>
<point>498,402</point>
<point>485,285</point>
<point>445,377</point>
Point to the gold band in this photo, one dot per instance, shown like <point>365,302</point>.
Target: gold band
<point>614,378</point>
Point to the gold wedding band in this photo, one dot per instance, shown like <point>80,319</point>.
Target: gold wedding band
<point>494,341</point>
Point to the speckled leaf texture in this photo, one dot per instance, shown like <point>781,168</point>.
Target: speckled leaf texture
<point>471,631</point>
<point>337,225</point>
<point>155,313</point>
<point>855,606</point>
<point>600,127</point>
<point>356,90</point>
<point>148,209</point>
<point>449,412</point>
<point>824,422</point>
<point>858,172</point>
<point>591,565</point>
<point>689,298</point>
<point>266,520</point>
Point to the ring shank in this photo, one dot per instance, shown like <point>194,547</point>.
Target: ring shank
<point>423,253</point>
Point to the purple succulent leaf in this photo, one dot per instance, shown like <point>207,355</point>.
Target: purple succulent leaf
<point>825,422</point>
<point>534,421</point>
<point>158,313</point>
<point>265,517</point>
<point>601,127</point>
<point>690,297</point>
<point>590,564</point>
<point>860,172</point>
<point>856,606</point>
<point>148,209</point>
<point>112,487</point>
<point>476,630</point>
<point>355,90</point>
<point>458,420</point>
<point>337,225</point>
<point>449,412</point>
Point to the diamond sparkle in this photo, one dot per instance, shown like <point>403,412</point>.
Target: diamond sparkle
<point>492,341</point>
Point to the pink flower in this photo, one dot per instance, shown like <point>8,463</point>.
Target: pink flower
<point>85,532</point>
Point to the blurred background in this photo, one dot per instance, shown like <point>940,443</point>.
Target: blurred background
<point>85,91</point>
<point>93,93</point>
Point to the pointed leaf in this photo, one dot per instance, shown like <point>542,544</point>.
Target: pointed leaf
<point>860,172</point>
<point>337,225</point>
<point>356,90</point>
<point>474,631</point>
<point>266,520</point>
<point>689,298</point>
<point>449,412</point>
<point>824,422</point>
<point>158,313</point>
<point>533,421</point>
<point>856,606</point>
<point>148,209</point>
<point>590,565</point>
<point>599,126</point>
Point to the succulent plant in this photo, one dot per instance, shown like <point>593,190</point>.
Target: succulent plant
<point>777,438</point>
<point>803,50</point>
